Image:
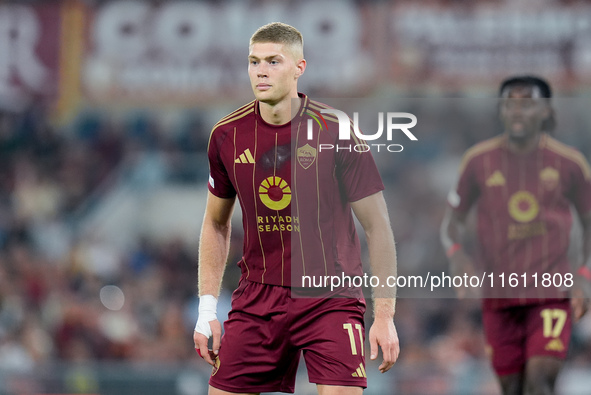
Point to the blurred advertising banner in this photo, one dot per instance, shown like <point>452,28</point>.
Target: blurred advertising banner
<point>195,51</point>
<point>185,53</point>
<point>181,52</point>
<point>459,43</point>
<point>29,53</point>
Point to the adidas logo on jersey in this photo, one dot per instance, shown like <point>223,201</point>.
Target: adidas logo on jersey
<point>360,372</point>
<point>496,179</point>
<point>245,157</point>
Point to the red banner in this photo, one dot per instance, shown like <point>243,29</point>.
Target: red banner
<point>29,53</point>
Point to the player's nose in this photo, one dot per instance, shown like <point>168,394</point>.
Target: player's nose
<point>518,106</point>
<point>262,70</point>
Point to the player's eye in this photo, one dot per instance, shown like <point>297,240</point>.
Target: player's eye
<point>254,62</point>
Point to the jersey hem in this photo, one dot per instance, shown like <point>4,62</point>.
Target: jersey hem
<point>219,194</point>
<point>369,192</point>
<point>458,209</point>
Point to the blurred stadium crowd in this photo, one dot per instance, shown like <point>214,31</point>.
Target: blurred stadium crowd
<point>51,273</point>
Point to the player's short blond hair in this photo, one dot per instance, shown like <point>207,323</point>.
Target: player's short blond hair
<point>280,33</point>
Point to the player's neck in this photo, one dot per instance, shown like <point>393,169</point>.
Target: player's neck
<point>279,113</point>
<point>524,146</point>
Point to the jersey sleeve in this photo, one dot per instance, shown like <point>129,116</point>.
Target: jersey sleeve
<point>219,181</point>
<point>358,174</point>
<point>581,185</point>
<point>467,190</point>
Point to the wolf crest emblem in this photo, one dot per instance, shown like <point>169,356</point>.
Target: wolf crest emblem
<point>306,155</point>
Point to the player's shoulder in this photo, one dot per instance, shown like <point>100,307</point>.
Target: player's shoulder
<point>482,148</point>
<point>486,146</point>
<point>236,116</point>
<point>330,119</point>
<point>233,119</point>
<point>567,153</point>
<point>314,107</point>
<point>561,149</point>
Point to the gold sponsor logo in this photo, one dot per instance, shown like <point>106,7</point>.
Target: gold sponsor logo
<point>278,223</point>
<point>549,178</point>
<point>306,155</point>
<point>495,179</point>
<point>523,231</point>
<point>275,193</point>
<point>523,206</point>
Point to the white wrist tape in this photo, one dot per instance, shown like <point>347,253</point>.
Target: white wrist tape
<point>207,312</point>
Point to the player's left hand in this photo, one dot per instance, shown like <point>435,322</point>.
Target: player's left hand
<point>201,342</point>
<point>383,334</point>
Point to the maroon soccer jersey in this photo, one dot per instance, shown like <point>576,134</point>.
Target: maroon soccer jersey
<point>293,194</point>
<point>523,211</point>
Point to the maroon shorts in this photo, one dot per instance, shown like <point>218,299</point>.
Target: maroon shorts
<point>267,330</point>
<point>515,334</point>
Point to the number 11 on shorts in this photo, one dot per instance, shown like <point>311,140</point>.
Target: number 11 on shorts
<point>349,328</point>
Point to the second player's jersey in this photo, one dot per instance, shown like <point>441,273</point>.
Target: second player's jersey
<point>523,211</point>
<point>294,194</point>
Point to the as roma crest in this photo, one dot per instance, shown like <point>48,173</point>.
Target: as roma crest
<point>306,155</point>
<point>549,178</point>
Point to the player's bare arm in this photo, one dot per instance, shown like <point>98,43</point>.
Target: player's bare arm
<point>582,292</point>
<point>373,216</point>
<point>213,253</point>
<point>451,231</point>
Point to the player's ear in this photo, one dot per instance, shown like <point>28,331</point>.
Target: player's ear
<point>300,67</point>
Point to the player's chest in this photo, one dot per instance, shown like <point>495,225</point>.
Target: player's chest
<point>251,161</point>
<point>520,184</point>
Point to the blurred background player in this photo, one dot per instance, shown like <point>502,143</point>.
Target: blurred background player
<point>524,183</point>
<point>250,155</point>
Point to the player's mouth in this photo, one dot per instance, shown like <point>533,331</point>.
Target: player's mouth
<point>517,128</point>
<point>263,87</point>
